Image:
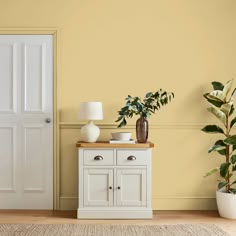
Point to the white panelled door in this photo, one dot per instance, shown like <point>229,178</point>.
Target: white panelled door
<point>26,121</point>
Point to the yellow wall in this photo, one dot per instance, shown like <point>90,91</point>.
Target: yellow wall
<point>111,48</point>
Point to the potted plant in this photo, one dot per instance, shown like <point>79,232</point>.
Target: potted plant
<point>151,103</point>
<point>222,107</point>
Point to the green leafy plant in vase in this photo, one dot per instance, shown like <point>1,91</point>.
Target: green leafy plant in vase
<point>150,104</point>
<point>221,101</point>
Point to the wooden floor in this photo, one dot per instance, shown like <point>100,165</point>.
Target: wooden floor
<point>159,217</point>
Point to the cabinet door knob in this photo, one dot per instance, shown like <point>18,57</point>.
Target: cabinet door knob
<point>110,187</point>
<point>48,120</point>
<point>118,187</point>
<point>131,158</point>
<point>98,158</point>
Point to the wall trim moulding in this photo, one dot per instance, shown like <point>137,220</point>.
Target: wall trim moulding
<point>75,125</point>
<point>68,203</point>
<point>184,204</point>
<point>69,197</point>
<point>185,197</point>
<point>154,198</point>
<point>26,30</point>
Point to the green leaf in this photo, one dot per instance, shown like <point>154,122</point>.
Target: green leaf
<point>216,95</point>
<point>123,123</point>
<point>119,118</point>
<point>234,168</point>
<point>128,98</point>
<point>148,94</point>
<point>232,110</point>
<point>221,143</point>
<point>233,182</point>
<point>230,140</point>
<point>212,129</point>
<point>226,89</point>
<point>233,159</point>
<point>218,113</point>
<point>226,108</point>
<point>164,94</point>
<point>216,148</point>
<point>233,93</point>
<point>234,147</point>
<point>212,171</point>
<point>221,184</point>
<point>213,102</point>
<point>233,191</point>
<point>156,94</point>
<point>233,121</point>
<point>217,85</point>
<point>224,169</point>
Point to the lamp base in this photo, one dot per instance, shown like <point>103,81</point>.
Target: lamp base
<point>90,132</point>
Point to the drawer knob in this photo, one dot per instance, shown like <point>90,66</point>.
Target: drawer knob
<point>110,187</point>
<point>131,158</point>
<point>98,158</point>
<point>118,187</point>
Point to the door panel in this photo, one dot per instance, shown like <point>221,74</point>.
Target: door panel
<point>26,140</point>
<point>8,77</point>
<point>34,76</point>
<point>7,158</point>
<point>33,158</point>
<point>96,187</point>
<point>131,187</point>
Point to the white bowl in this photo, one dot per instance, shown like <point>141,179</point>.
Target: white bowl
<point>121,135</point>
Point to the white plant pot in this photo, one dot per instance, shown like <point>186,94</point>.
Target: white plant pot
<point>226,203</point>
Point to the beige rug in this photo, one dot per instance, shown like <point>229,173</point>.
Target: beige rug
<point>110,230</point>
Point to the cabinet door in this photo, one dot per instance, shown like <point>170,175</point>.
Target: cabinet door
<point>98,187</point>
<point>131,186</point>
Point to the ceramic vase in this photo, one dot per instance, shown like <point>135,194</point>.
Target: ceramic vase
<point>142,130</point>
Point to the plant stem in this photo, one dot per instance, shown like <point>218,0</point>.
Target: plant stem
<point>227,179</point>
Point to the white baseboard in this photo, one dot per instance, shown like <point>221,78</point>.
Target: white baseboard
<point>114,214</point>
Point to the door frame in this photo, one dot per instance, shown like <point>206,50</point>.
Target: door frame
<point>56,164</point>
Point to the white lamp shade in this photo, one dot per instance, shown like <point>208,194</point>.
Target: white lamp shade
<point>90,111</point>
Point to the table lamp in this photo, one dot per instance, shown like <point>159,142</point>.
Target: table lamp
<point>90,111</point>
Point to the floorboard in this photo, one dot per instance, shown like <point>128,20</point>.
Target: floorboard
<point>159,217</point>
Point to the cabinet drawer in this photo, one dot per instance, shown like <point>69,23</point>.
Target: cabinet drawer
<point>131,157</point>
<point>98,157</point>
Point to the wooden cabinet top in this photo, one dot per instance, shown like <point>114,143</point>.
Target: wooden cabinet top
<point>114,145</point>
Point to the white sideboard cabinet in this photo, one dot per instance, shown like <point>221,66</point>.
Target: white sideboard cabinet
<point>114,180</point>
